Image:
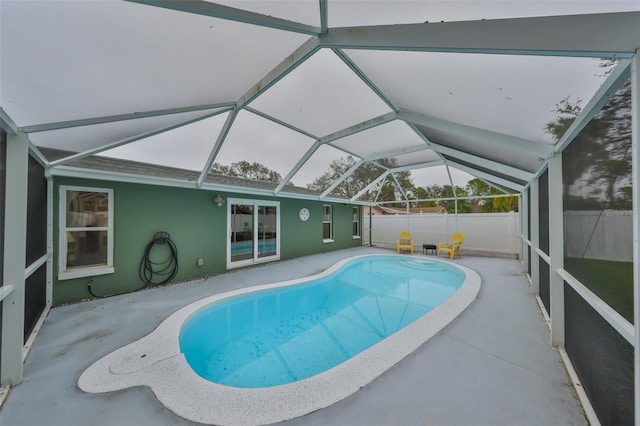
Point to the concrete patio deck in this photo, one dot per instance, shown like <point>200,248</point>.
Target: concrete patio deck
<point>493,365</point>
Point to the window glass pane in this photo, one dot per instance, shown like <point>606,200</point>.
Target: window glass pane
<point>267,228</point>
<point>87,209</point>
<point>86,248</point>
<point>241,232</point>
<point>326,231</point>
<point>356,221</point>
<point>326,214</point>
<point>598,221</point>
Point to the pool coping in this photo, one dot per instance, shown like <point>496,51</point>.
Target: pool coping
<point>155,361</point>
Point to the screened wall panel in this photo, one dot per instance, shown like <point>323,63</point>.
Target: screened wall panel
<point>36,213</point>
<point>598,221</point>
<point>543,211</point>
<point>35,298</point>
<point>543,289</point>
<point>543,235</point>
<point>602,359</point>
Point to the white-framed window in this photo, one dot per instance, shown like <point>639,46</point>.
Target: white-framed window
<point>327,224</point>
<point>356,222</point>
<point>86,232</point>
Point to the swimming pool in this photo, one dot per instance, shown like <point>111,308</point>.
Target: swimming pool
<point>281,336</point>
<point>156,361</point>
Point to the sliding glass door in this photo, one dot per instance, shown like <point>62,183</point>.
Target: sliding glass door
<point>254,232</point>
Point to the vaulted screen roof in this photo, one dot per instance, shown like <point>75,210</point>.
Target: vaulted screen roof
<point>391,86</point>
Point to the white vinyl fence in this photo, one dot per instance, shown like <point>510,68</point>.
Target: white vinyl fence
<point>599,235</point>
<point>491,234</point>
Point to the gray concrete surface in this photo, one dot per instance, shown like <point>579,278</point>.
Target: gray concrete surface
<point>491,366</point>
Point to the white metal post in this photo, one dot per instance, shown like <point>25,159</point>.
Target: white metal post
<point>49,294</point>
<point>15,225</point>
<point>534,210</point>
<point>556,251</point>
<point>524,221</point>
<point>635,155</point>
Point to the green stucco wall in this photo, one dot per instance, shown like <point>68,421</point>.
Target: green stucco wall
<point>196,225</point>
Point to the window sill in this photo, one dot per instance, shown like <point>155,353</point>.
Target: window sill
<point>356,237</point>
<point>327,241</point>
<point>85,272</point>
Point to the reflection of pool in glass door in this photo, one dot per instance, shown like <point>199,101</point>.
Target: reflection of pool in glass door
<point>253,232</point>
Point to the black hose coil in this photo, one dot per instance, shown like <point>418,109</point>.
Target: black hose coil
<point>157,273</point>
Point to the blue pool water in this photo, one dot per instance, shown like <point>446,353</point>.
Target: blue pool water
<point>284,335</point>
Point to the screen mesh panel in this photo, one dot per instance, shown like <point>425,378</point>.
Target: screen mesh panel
<point>598,221</point>
<point>35,298</point>
<point>543,234</point>
<point>544,289</point>
<point>543,211</point>
<point>602,359</point>
<point>36,212</point>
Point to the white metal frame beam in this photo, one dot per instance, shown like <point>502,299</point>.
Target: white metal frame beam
<point>396,152</point>
<point>297,167</point>
<point>291,62</point>
<point>356,128</point>
<point>324,16</point>
<point>58,125</point>
<point>356,69</point>
<point>7,123</point>
<point>482,136</point>
<point>214,10</point>
<point>483,175</point>
<point>570,35</point>
<point>218,145</point>
<point>342,178</point>
<point>371,185</point>
<point>524,221</point>
<point>15,229</point>
<point>483,162</point>
<point>280,122</point>
<point>418,166</point>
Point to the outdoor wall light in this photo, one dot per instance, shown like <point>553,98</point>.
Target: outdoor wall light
<point>218,200</point>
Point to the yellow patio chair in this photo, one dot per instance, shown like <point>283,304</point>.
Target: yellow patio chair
<point>404,241</point>
<point>452,247</point>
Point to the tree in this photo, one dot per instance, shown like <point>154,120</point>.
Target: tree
<point>450,205</point>
<point>431,192</point>
<point>244,169</point>
<point>361,177</point>
<point>600,156</point>
<point>478,188</point>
